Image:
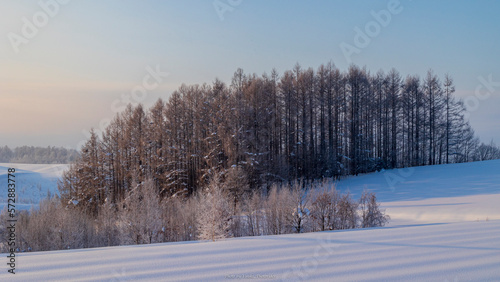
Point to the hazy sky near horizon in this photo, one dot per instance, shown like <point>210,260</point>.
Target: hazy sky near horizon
<point>69,67</point>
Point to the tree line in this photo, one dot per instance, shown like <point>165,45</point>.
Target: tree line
<point>304,124</point>
<point>37,155</point>
<point>212,214</point>
<point>217,161</point>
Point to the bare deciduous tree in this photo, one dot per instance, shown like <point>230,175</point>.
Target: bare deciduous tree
<point>324,207</point>
<point>347,212</point>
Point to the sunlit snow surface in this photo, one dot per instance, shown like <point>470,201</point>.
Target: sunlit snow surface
<point>445,227</point>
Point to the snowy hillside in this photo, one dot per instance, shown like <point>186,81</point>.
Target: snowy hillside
<point>417,183</point>
<point>435,194</point>
<point>445,227</point>
<point>33,182</point>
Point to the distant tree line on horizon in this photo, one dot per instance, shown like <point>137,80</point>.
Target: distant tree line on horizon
<point>303,124</point>
<point>38,155</point>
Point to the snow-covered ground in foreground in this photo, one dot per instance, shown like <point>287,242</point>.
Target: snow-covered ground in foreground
<point>428,252</point>
<point>33,181</point>
<point>445,227</point>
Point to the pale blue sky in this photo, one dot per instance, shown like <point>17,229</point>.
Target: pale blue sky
<point>66,78</point>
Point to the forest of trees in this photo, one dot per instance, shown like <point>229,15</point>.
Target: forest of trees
<point>37,155</point>
<point>260,130</point>
<point>252,158</point>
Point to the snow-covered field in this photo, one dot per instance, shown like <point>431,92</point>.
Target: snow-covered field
<point>434,194</point>
<point>33,182</point>
<point>445,227</point>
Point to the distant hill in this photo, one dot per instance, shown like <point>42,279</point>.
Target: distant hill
<point>33,182</point>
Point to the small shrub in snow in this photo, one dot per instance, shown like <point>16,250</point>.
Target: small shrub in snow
<point>371,215</point>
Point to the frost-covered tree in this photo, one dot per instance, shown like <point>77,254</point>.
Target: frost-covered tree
<point>214,214</point>
<point>371,214</point>
<point>254,211</point>
<point>141,214</point>
<point>278,209</point>
<point>107,225</point>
